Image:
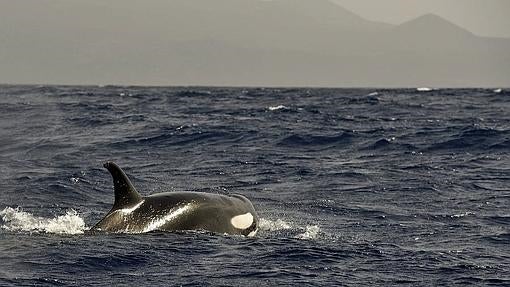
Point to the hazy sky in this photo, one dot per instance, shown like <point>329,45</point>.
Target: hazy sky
<point>482,17</point>
<point>251,43</point>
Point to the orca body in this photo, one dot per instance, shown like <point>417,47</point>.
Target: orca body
<point>175,211</point>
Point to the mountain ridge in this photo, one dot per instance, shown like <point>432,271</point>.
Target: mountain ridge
<point>435,22</point>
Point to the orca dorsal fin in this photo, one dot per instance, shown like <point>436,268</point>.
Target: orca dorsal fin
<point>125,192</point>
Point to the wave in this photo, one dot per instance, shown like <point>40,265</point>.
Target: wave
<point>193,93</point>
<point>503,220</point>
<point>388,144</point>
<point>297,140</point>
<point>477,138</point>
<point>177,139</point>
<point>276,108</point>
<point>501,145</point>
<point>17,220</point>
<point>370,99</point>
<point>502,238</point>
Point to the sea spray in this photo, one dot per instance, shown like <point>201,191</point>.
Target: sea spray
<point>273,225</point>
<point>311,232</point>
<point>17,220</point>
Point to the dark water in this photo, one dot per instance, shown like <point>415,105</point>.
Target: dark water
<point>354,188</point>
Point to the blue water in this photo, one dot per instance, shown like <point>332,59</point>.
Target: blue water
<point>354,187</point>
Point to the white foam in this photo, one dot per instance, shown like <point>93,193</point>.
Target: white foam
<point>424,89</point>
<point>464,214</point>
<point>497,91</point>
<point>15,219</point>
<point>270,225</point>
<point>374,94</point>
<point>311,232</point>
<point>275,108</point>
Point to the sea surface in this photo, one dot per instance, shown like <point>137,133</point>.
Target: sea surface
<point>354,187</point>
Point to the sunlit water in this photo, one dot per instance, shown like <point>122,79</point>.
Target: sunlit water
<point>354,187</point>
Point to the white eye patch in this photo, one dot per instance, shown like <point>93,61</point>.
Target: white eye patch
<point>242,221</point>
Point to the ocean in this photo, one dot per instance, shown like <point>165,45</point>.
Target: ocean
<point>354,187</point>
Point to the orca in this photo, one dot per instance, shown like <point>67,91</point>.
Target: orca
<point>175,211</point>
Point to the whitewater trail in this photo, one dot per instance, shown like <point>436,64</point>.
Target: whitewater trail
<point>308,232</point>
<point>17,220</point>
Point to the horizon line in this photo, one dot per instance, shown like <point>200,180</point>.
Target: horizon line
<point>389,87</point>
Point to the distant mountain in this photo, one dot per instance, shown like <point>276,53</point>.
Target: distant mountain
<point>237,42</point>
<point>430,24</point>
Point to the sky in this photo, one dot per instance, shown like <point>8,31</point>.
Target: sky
<point>482,17</point>
<point>252,43</point>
